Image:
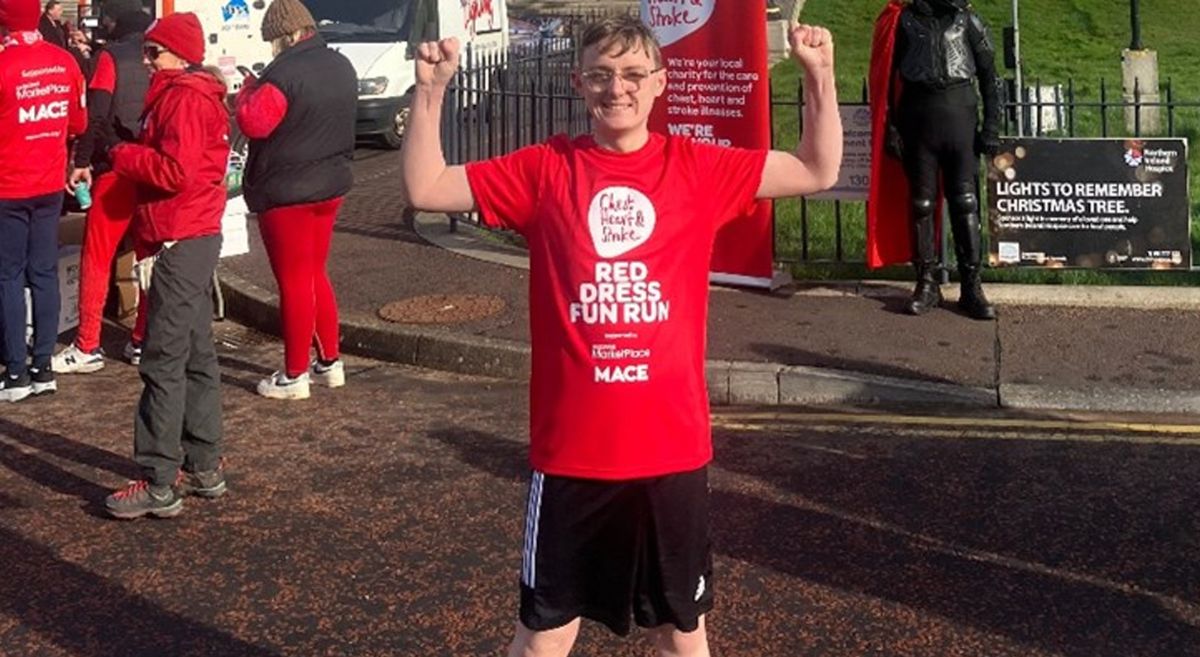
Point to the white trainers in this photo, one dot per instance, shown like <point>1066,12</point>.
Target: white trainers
<point>331,376</point>
<point>279,386</point>
<point>133,353</point>
<point>74,360</point>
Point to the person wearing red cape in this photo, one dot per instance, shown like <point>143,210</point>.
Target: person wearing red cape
<point>926,58</point>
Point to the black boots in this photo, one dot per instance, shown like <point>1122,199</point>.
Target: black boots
<point>928,294</point>
<point>964,221</point>
<point>971,301</point>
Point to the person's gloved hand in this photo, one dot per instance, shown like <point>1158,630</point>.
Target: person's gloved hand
<point>893,143</point>
<point>987,143</point>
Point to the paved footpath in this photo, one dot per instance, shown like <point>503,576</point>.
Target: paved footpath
<point>1107,349</point>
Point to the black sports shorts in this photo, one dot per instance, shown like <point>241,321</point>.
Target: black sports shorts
<point>601,549</point>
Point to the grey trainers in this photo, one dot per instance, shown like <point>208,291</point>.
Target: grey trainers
<point>205,483</point>
<point>140,498</point>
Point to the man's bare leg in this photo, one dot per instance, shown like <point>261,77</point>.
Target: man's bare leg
<point>673,643</point>
<point>547,643</point>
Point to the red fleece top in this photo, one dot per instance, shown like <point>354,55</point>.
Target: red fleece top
<point>181,159</point>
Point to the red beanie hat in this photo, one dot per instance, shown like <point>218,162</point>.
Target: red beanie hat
<point>180,33</point>
<point>20,15</point>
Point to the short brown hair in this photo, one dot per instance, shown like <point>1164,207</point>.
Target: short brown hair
<point>623,33</point>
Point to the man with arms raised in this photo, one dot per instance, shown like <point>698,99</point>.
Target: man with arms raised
<point>620,225</point>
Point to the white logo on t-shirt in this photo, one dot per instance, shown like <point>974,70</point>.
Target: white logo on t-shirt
<point>44,112</point>
<point>620,219</point>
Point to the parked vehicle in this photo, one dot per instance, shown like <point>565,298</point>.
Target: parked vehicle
<point>378,37</point>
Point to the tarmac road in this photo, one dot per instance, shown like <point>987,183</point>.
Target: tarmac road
<point>385,519</point>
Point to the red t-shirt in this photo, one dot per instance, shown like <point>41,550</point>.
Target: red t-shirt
<point>619,248</point>
<point>41,107</point>
<point>104,78</point>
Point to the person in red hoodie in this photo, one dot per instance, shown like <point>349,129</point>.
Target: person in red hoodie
<point>116,99</point>
<point>178,166</point>
<point>41,107</point>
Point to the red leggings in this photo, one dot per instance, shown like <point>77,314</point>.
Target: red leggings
<point>297,239</point>
<point>113,201</point>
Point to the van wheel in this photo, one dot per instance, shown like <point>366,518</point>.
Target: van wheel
<point>394,138</point>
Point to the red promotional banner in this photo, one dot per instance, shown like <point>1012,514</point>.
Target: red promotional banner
<point>718,92</point>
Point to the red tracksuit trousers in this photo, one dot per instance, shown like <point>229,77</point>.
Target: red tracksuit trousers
<point>297,239</point>
<point>114,200</point>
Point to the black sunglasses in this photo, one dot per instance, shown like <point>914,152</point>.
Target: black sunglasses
<point>153,52</point>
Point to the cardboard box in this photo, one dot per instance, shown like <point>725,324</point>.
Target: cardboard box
<point>126,299</point>
<point>68,292</point>
<point>70,229</point>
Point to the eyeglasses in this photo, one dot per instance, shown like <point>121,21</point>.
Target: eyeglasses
<point>152,52</point>
<point>599,79</point>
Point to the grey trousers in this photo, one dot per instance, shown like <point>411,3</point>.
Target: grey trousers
<point>178,419</point>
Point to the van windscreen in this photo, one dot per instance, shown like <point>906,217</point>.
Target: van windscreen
<point>359,19</point>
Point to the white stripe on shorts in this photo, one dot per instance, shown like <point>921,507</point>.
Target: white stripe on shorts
<point>533,512</point>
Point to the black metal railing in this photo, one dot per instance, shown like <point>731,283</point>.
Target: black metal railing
<point>503,101</point>
<point>820,232</point>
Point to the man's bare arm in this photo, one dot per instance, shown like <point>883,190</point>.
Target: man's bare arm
<point>428,183</point>
<point>815,164</point>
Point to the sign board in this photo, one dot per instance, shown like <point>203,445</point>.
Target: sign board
<point>718,92</point>
<point>854,180</point>
<point>1090,203</point>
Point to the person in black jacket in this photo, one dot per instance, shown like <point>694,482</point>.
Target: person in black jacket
<point>51,25</point>
<point>942,49</point>
<point>299,116</point>
<point>116,97</point>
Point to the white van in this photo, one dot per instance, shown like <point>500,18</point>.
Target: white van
<point>377,35</point>
<point>374,35</point>
<point>233,33</point>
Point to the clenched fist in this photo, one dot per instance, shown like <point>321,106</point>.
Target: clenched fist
<point>437,61</point>
<point>812,47</point>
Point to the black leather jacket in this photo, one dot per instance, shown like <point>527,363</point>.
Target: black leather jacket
<point>942,44</point>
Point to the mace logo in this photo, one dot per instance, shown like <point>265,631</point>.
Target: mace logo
<point>43,112</point>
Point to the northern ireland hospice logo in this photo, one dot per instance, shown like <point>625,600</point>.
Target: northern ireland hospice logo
<point>620,220</point>
<point>1134,152</point>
